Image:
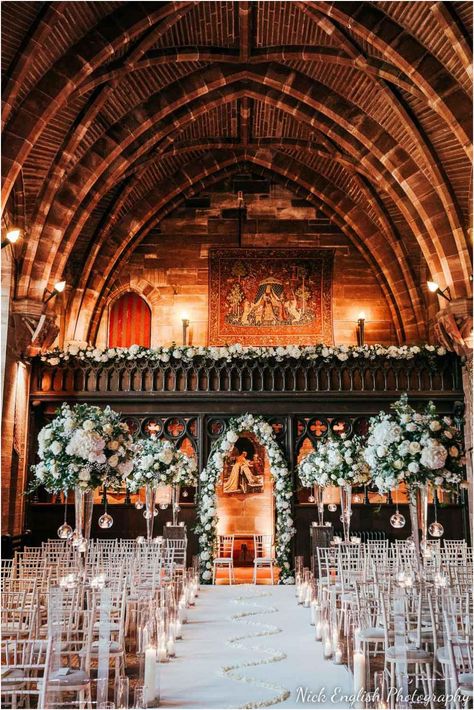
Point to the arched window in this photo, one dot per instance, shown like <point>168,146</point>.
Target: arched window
<point>129,322</point>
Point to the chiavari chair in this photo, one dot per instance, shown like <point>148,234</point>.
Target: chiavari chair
<point>400,612</point>
<point>263,555</point>
<point>224,557</point>
<point>18,615</point>
<point>25,672</point>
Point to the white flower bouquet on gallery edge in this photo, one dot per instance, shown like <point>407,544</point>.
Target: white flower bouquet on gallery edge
<point>83,446</point>
<point>414,448</point>
<point>158,462</point>
<point>336,461</point>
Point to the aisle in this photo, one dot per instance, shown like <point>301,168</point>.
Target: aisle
<point>195,679</point>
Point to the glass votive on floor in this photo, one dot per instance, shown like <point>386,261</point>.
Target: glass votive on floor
<point>139,698</point>
<point>122,690</point>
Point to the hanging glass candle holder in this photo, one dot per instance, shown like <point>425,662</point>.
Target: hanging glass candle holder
<point>436,529</point>
<point>65,531</point>
<point>139,503</point>
<point>397,520</point>
<point>105,521</point>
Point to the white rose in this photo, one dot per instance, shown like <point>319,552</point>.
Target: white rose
<point>381,451</point>
<point>433,455</point>
<point>84,475</point>
<point>411,427</point>
<point>108,429</point>
<point>88,425</point>
<point>232,437</point>
<point>435,425</point>
<point>56,448</point>
<point>414,447</point>
<point>398,464</point>
<point>413,467</point>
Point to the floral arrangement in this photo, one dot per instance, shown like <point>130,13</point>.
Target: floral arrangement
<point>83,446</point>
<point>206,527</point>
<point>178,353</point>
<point>414,448</point>
<point>336,461</point>
<point>160,463</point>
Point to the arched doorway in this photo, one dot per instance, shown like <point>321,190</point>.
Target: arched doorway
<point>226,468</point>
<point>129,322</point>
<point>244,498</point>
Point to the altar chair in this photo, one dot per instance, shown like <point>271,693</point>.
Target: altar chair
<point>263,546</point>
<point>224,557</point>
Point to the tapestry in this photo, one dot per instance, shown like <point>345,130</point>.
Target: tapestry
<point>270,296</point>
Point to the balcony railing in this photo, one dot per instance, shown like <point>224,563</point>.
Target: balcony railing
<point>208,377</point>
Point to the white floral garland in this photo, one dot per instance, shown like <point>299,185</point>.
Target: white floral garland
<point>179,353</point>
<point>206,528</point>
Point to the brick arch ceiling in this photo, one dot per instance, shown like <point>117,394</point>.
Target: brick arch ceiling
<point>364,106</point>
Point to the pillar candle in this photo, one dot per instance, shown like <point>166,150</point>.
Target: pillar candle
<point>162,654</point>
<point>314,612</point>
<point>170,646</point>
<point>359,678</point>
<point>307,599</point>
<point>150,675</point>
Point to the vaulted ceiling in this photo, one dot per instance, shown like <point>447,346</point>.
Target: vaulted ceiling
<point>114,112</point>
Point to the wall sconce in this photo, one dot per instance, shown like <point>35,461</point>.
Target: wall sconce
<point>185,322</point>
<point>59,287</point>
<point>361,329</point>
<point>434,288</point>
<point>12,236</point>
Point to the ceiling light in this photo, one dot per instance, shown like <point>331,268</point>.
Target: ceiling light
<point>12,236</point>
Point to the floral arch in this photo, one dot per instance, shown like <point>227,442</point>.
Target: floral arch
<point>206,527</point>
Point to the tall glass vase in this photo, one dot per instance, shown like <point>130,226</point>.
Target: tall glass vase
<point>175,491</point>
<point>318,497</point>
<point>418,505</point>
<point>346,509</point>
<point>83,505</point>
<point>150,495</point>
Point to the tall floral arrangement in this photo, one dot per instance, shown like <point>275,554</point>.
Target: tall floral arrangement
<point>206,527</point>
<point>83,446</point>
<point>406,446</point>
<point>158,462</point>
<point>336,461</point>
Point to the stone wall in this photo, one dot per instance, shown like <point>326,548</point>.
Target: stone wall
<point>170,267</point>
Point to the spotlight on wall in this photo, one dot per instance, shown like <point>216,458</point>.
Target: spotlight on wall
<point>12,236</point>
<point>185,322</point>
<point>361,328</point>
<point>59,287</point>
<point>434,288</point>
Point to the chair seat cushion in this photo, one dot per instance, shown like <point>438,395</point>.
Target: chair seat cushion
<point>114,647</point>
<point>408,652</point>
<point>11,679</point>
<point>263,560</point>
<point>372,633</point>
<point>72,679</point>
<point>425,634</point>
<point>223,560</point>
<point>442,654</point>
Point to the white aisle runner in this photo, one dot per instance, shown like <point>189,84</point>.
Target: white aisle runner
<point>260,635</point>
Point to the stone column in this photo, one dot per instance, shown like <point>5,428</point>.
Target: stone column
<point>29,329</point>
<point>453,329</point>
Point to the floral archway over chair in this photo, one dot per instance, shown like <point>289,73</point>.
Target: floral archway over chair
<point>206,527</point>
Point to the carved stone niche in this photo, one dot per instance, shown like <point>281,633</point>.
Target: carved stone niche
<point>34,330</point>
